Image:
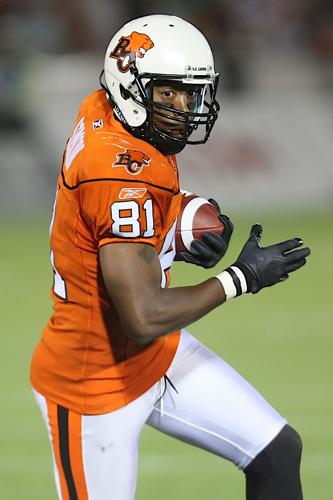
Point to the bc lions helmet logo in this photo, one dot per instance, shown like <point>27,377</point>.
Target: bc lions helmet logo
<point>135,44</point>
<point>133,160</point>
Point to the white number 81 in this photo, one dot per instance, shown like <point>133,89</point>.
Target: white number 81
<point>133,219</point>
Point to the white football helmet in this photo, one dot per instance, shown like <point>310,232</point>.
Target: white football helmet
<point>159,48</point>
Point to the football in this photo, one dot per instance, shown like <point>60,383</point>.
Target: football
<point>196,217</point>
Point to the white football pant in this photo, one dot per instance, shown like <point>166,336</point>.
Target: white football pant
<point>202,401</point>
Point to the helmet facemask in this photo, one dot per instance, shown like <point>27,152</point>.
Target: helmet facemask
<point>172,129</point>
<point>193,126</point>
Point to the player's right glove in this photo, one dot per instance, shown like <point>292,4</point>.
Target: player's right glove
<point>210,250</point>
<point>258,267</point>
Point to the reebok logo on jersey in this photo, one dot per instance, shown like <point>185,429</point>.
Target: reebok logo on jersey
<point>132,160</point>
<point>97,124</point>
<point>130,193</point>
<point>131,46</point>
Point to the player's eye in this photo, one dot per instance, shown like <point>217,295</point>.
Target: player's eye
<point>167,93</point>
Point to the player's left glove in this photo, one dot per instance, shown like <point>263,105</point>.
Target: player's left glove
<point>259,267</point>
<point>210,250</point>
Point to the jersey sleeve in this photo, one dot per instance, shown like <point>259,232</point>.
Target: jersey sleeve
<point>123,211</point>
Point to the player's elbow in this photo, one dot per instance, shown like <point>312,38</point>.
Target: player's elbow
<point>142,329</point>
<point>141,334</point>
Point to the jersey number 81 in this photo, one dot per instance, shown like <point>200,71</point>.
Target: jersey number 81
<point>126,215</point>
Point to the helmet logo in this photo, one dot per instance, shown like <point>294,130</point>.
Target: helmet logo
<point>133,160</point>
<point>131,46</point>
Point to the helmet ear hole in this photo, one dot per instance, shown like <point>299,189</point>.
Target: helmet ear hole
<point>125,94</point>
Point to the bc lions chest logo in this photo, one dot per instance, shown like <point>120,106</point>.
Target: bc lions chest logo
<point>133,160</point>
<point>136,44</point>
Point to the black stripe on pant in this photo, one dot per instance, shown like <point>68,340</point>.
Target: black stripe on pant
<point>64,451</point>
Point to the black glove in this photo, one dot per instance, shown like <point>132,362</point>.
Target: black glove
<point>210,250</point>
<point>263,267</point>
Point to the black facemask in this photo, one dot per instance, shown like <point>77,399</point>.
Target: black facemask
<point>191,121</point>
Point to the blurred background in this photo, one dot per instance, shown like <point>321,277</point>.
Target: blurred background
<point>272,146</point>
<point>270,158</point>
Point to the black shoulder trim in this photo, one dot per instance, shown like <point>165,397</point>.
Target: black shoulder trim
<point>103,179</point>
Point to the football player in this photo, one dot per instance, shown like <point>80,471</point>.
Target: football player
<point>115,354</point>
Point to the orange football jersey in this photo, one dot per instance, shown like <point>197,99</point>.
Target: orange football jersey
<point>112,188</point>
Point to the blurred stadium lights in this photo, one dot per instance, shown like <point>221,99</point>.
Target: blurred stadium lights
<point>272,143</point>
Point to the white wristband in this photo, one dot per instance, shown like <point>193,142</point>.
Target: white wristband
<point>233,282</point>
<point>228,285</point>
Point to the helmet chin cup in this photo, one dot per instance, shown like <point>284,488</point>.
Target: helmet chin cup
<point>166,144</point>
<point>151,49</point>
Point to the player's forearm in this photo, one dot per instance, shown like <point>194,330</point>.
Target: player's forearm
<point>132,275</point>
<point>167,310</point>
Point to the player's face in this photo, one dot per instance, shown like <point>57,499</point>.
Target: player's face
<point>177,96</point>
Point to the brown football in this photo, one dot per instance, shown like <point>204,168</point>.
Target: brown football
<point>196,217</point>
